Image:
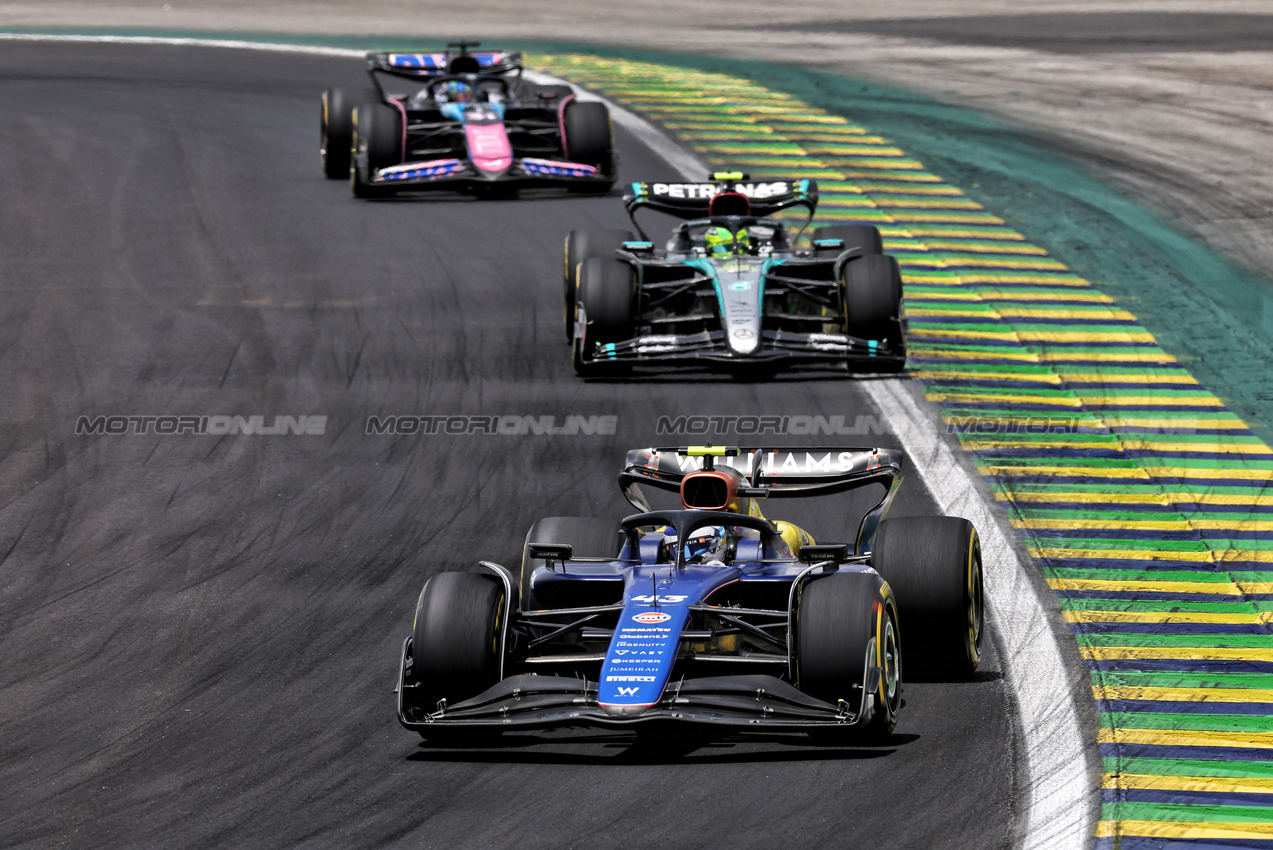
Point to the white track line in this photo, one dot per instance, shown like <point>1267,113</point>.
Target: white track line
<point>1061,800</point>
<point>268,46</point>
<point>1061,806</point>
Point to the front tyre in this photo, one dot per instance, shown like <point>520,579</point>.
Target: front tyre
<point>588,137</point>
<point>377,142</point>
<point>871,288</point>
<point>337,132</point>
<point>871,295</point>
<point>933,565</point>
<point>604,298</point>
<point>848,640</point>
<point>582,245</point>
<point>456,640</point>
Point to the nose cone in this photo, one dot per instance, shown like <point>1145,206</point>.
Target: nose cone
<point>743,340</point>
<point>740,304</point>
<point>489,148</point>
<point>625,712</point>
<point>641,654</point>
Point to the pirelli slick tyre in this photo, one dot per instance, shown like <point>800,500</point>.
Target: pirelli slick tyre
<point>604,298</point>
<point>864,236</point>
<point>590,537</point>
<point>871,288</point>
<point>588,137</point>
<point>848,639</point>
<point>338,131</point>
<point>582,245</point>
<point>933,565</point>
<point>377,139</point>
<point>456,640</point>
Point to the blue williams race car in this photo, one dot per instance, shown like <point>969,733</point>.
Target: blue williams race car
<point>710,614</point>
<point>468,122</point>
<point>731,287</point>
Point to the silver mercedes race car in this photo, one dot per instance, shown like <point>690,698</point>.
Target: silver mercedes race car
<point>731,287</point>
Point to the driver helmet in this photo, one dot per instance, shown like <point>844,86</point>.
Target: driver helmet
<point>702,546</point>
<point>459,92</point>
<point>721,241</point>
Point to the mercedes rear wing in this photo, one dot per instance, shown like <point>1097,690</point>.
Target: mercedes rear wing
<point>693,200</point>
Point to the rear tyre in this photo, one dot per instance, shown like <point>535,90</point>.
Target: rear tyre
<point>871,290</point>
<point>377,136</point>
<point>591,537</point>
<point>605,297</point>
<point>933,565</point>
<point>588,137</point>
<point>455,642</point>
<point>847,627</point>
<point>581,245</point>
<point>864,236</point>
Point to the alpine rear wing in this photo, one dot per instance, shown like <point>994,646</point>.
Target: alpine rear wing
<point>774,472</point>
<point>416,66</point>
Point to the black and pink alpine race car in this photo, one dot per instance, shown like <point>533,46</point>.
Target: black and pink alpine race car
<point>468,122</point>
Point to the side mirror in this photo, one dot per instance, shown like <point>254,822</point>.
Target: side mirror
<point>551,551</point>
<point>828,243</point>
<point>836,553</point>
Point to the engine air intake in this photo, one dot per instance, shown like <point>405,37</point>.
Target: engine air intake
<point>707,491</point>
<point>729,203</point>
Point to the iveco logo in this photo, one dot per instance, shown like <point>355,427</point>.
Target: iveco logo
<point>652,617</point>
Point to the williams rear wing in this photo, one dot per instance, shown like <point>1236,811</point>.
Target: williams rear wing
<point>778,471</point>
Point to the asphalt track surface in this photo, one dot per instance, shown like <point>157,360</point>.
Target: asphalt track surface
<point>200,633</point>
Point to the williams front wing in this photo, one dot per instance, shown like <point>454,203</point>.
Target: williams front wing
<point>751,702</point>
